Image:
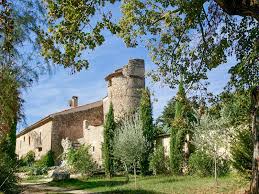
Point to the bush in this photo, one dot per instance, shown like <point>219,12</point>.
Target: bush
<point>7,174</point>
<point>242,152</point>
<point>80,160</point>
<point>158,161</point>
<point>202,164</point>
<point>37,170</point>
<point>28,159</point>
<point>46,160</point>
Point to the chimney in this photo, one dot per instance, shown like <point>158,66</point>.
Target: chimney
<point>73,102</point>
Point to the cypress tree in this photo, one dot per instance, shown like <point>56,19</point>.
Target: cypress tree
<point>109,130</point>
<point>178,131</point>
<point>148,129</point>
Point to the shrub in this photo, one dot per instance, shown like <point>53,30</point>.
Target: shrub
<point>8,179</point>
<point>202,164</point>
<point>38,170</point>
<point>28,159</point>
<point>80,160</point>
<point>158,162</point>
<point>46,160</point>
<point>242,152</point>
<point>40,167</point>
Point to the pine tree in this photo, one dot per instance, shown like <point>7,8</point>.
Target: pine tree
<point>148,129</point>
<point>109,130</point>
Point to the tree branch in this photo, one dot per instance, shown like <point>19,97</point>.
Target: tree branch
<point>240,7</point>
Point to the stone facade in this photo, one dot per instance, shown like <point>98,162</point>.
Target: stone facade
<point>124,88</point>
<point>84,124</point>
<point>37,140</point>
<point>164,140</point>
<point>73,124</point>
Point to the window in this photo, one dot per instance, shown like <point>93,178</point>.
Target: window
<point>40,149</point>
<point>40,137</point>
<point>85,125</point>
<point>29,140</point>
<point>93,148</point>
<point>24,138</point>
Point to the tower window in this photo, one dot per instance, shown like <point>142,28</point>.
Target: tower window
<point>85,125</point>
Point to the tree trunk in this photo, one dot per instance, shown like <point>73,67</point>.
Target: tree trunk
<point>254,186</point>
<point>240,7</point>
<point>126,173</point>
<point>215,168</point>
<point>187,144</point>
<point>135,175</point>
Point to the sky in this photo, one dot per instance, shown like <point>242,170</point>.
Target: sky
<point>52,93</point>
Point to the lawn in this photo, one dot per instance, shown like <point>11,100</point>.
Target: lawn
<point>157,184</point>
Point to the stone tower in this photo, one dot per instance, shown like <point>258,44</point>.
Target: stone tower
<point>124,88</point>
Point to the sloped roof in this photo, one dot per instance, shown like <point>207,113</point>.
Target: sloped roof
<point>116,73</point>
<point>67,111</point>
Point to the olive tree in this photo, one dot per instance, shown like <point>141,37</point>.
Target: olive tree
<point>211,136</point>
<point>129,145</point>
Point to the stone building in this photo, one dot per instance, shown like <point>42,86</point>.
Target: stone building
<point>84,124</point>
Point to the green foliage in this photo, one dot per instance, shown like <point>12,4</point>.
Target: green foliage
<point>168,114</point>
<point>46,160</point>
<point>8,179</point>
<point>181,126</point>
<point>159,163</point>
<point>147,128</point>
<point>129,144</point>
<point>236,107</point>
<point>37,169</point>
<point>109,130</point>
<point>28,159</point>
<point>74,26</point>
<point>242,151</point>
<point>202,164</point>
<point>169,28</point>
<point>81,160</point>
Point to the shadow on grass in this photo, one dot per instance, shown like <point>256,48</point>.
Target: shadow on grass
<point>78,184</point>
<point>137,191</point>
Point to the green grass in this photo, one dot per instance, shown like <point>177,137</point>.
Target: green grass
<point>156,184</point>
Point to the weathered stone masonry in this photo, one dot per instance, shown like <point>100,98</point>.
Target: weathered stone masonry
<point>84,124</point>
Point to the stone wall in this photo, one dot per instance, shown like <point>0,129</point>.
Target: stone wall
<point>164,140</point>
<point>37,140</point>
<point>124,88</point>
<point>72,125</point>
<point>93,136</point>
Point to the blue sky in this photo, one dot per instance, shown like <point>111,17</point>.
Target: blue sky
<point>51,93</point>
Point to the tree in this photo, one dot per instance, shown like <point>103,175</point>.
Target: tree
<point>192,37</point>
<point>130,143</point>
<point>74,27</point>
<point>158,161</point>
<point>212,136</point>
<point>147,128</point>
<point>242,151</point>
<point>168,114</point>
<point>180,137</point>
<point>19,21</point>
<point>108,145</point>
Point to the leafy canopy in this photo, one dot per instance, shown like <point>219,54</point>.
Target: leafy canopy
<point>190,38</point>
<point>74,26</point>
